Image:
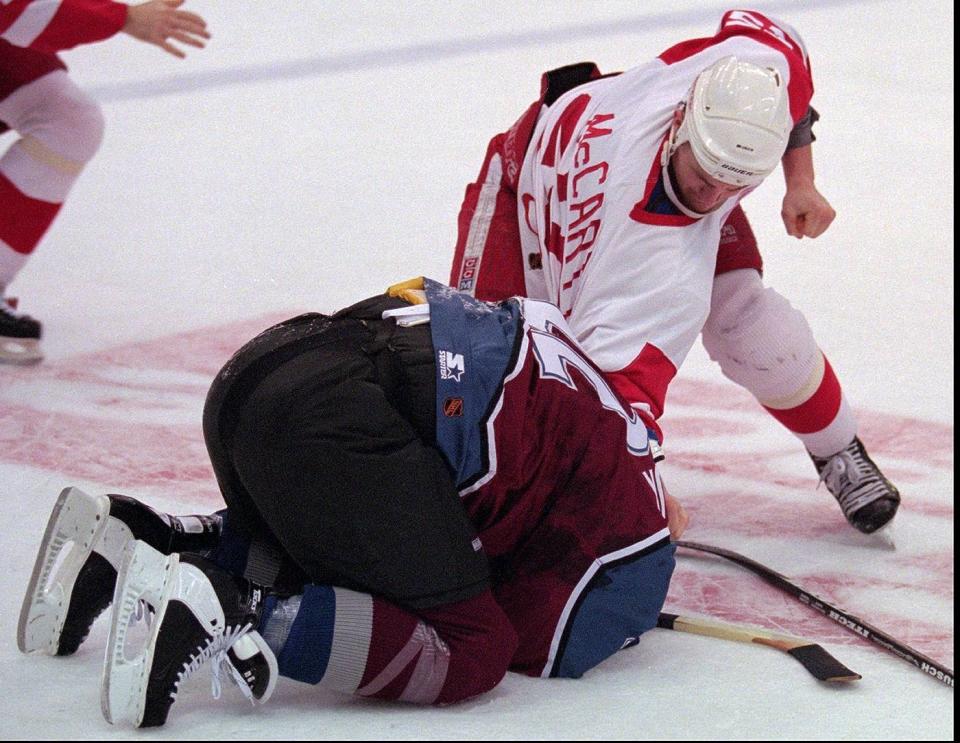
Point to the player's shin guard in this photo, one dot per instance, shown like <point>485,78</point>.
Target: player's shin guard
<point>765,345</point>
<point>60,129</point>
<point>76,567</point>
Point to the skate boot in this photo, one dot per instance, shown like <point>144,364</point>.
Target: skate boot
<point>867,498</point>
<point>19,335</point>
<point>202,614</point>
<point>76,567</point>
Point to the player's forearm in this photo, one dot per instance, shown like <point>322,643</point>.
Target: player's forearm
<point>798,166</point>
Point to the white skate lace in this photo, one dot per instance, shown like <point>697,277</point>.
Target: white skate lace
<point>853,481</point>
<point>216,649</point>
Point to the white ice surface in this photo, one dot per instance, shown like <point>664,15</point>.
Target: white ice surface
<point>316,152</point>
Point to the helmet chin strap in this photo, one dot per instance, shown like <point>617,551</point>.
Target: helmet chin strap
<point>675,138</point>
<point>678,135</point>
<point>669,147</point>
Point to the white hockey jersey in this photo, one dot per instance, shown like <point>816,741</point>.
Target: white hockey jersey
<point>602,239</point>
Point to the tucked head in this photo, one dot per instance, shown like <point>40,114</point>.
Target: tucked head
<point>729,133</point>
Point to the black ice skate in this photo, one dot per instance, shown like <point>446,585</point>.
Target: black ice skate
<point>868,499</point>
<point>76,568</point>
<point>202,614</point>
<point>19,335</point>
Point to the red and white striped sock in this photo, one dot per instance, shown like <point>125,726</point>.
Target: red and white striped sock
<point>358,644</point>
<point>60,129</point>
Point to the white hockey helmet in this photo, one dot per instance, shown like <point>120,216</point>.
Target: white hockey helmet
<point>737,121</point>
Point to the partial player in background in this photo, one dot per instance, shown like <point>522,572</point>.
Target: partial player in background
<point>60,127</point>
<point>422,491</point>
<point>618,198</point>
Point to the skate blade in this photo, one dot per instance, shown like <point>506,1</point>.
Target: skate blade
<point>150,577</point>
<point>883,537</point>
<point>23,351</point>
<point>74,528</point>
<point>145,575</point>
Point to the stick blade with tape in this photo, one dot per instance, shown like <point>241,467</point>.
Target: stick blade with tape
<point>822,665</point>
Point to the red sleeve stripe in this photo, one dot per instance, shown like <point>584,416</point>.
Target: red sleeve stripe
<point>645,379</point>
<point>54,25</point>
<point>27,21</point>
<point>564,128</point>
<point>685,49</point>
<point>82,22</point>
<point>10,10</point>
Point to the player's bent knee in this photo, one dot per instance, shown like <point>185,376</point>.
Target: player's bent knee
<point>488,670</point>
<point>759,339</point>
<point>482,659</point>
<point>85,128</point>
<point>66,120</point>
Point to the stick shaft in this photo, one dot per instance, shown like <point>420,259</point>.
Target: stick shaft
<point>738,632</point>
<point>845,619</point>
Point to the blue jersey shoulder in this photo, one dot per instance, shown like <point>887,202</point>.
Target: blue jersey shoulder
<point>475,344</point>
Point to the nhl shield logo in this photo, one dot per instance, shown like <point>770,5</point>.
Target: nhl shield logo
<point>453,407</point>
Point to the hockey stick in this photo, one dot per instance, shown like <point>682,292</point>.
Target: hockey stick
<point>850,621</point>
<point>813,657</point>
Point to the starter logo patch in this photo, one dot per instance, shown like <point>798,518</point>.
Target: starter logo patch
<point>451,365</point>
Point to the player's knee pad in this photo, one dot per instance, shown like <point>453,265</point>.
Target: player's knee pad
<point>760,340</point>
<point>60,124</point>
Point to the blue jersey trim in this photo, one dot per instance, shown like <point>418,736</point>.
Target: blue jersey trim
<point>622,601</point>
<point>474,344</point>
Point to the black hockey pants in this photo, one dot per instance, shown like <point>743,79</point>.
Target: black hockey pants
<point>321,432</point>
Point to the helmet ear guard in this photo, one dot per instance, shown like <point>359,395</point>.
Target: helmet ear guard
<point>737,121</point>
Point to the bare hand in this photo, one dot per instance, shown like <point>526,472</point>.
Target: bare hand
<point>805,212</point>
<point>677,518</point>
<point>157,21</point>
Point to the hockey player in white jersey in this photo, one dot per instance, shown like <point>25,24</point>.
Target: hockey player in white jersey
<point>618,198</point>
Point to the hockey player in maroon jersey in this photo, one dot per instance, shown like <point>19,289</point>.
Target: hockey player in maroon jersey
<point>60,126</point>
<point>423,491</point>
<point>618,199</point>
